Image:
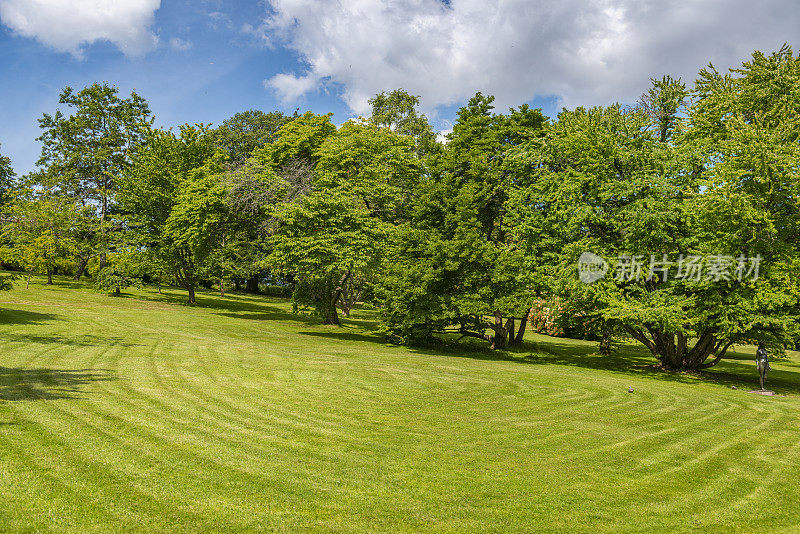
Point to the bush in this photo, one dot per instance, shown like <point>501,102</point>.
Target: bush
<point>284,292</point>
<point>559,318</point>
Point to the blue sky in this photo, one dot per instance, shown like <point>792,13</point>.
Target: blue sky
<point>220,73</point>
<point>204,60</point>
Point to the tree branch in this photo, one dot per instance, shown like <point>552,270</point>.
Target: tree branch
<point>719,357</point>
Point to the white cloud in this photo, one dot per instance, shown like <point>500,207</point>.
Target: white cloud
<point>218,19</point>
<point>69,25</point>
<point>581,51</point>
<point>181,45</point>
<point>290,87</point>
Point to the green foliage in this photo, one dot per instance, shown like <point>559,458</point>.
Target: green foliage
<point>175,199</point>
<point>240,135</point>
<point>455,264</point>
<point>122,270</point>
<point>150,186</point>
<point>298,139</point>
<point>664,103</point>
<point>375,165</point>
<point>41,231</point>
<point>254,193</point>
<point>397,111</point>
<point>6,180</point>
<point>333,240</point>
<point>199,211</point>
<point>604,181</point>
<point>7,186</point>
<point>325,239</point>
<point>195,226</point>
<point>84,152</point>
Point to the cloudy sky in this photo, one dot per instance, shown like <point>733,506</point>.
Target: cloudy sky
<point>204,60</point>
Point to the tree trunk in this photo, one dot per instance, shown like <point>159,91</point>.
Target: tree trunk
<point>517,341</point>
<point>192,299</point>
<point>351,294</point>
<point>605,341</point>
<point>331,316</point>
<point>103,228</point>
<point>500,333</point>
<point>329,311</point>
<point>49,276</point>
<point>252,285</point>
<point>510,326</point>
<point>28,280</point>
<point>221,287</point>
<point>672,351</point>
<point>80,268</point>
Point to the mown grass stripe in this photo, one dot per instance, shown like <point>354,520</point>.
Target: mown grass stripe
<point>233,417</point>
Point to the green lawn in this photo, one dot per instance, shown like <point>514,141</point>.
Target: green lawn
<point>142,414</point>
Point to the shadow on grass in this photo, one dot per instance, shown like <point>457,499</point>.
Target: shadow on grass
<point>238,306</point>
<point>72,284</point>
<point>204,300</point>
<point>737,370</point>
<point>347,336</point>
<point>363,320</point>
<point>271,313</point>
<point>254,307</point>
<point>23,317</point>
<point>18,384</point>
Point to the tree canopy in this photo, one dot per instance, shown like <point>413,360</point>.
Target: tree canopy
<point>674,222</point>
<point>6,180</point>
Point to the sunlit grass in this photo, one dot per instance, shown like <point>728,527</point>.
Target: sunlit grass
<point>142,414</point>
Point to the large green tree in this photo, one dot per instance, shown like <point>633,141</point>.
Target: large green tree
<point>174,198</point>
<point>197,226</point>
<point>673,208</point>
<point>325,240</point>
<point>289,156</point>
<point>333,239</point>
<point>455,268</point>
<point>242,249</point>
<point>85,149</point>
<point>40,231</point>
<point>255,191</point>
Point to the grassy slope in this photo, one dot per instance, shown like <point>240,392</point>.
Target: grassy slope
<point>140,414</point>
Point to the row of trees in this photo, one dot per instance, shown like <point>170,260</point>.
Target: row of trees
<point>460,237</point>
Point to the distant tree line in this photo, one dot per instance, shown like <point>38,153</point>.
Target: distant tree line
<point>458,237</point>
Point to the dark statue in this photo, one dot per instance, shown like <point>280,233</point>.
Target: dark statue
<point>762,362</point>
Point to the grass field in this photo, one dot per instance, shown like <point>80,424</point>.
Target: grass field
<point>142,414</point>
